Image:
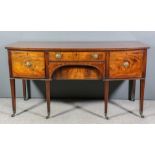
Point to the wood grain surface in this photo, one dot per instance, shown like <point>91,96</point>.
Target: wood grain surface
<point>134,68</point>
<point>77,56</point>
<point>111,45</point>
<point>28,64</point>
<point>70,70</point>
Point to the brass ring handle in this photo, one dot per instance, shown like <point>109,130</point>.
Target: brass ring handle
<point>126,64</point>
<point>58,55</point>
<point>95,55</point>
<point>28,64</point>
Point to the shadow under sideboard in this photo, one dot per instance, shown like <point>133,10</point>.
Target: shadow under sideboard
<point>92,89</point>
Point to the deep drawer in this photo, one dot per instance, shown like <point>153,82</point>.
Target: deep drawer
<point>28,64</point>
<point>126,64</point>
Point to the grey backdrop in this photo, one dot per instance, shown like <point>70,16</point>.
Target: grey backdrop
<point>77,89</point>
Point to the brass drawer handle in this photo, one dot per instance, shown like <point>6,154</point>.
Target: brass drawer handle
<point>58,55</point>
<point>28,64</point>
<point>126,64</point>
<point>95,55</point>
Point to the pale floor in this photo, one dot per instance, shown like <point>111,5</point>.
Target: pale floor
<point>33,111</point>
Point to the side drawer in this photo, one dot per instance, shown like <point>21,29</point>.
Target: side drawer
<point>126,64</point>
<point>28,64</point>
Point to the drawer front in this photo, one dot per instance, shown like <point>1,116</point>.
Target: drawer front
<point>76,56</point>
<point>91,56</point>
<point>126,64</point>
<point>28,64</point>
<point>62,56</point>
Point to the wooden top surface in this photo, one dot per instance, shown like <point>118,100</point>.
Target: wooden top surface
<point>77,45</point>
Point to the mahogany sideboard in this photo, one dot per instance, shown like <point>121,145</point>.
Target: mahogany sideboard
<point>105,61</point>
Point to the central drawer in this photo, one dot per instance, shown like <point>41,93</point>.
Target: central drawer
<point>76,56</point>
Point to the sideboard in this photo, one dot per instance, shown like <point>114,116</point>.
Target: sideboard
<point>104,61</point>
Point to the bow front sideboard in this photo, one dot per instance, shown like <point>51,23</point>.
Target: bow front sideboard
<point>104,61</point>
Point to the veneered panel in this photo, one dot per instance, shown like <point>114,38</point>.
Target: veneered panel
<point>28,64</point>
<point>126,64</point>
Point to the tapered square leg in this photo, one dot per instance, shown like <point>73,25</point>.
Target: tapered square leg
<point>106,97</point>
<point>48,87</point>
<point>132,88</point>
<point>141,105</point>
<point>13,94</point>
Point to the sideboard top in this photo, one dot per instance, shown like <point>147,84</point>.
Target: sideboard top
<point>112,45</point>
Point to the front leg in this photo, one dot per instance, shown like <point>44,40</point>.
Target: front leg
<point>13,94</point>
<point>48,87</point>
<point>142,87</point>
